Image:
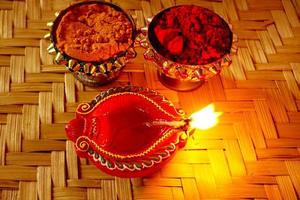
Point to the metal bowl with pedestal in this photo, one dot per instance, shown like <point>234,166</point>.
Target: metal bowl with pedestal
<point>175,75</point>
<point>95,72</point>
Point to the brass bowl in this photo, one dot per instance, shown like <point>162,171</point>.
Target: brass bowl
<point>177,76</point>
<point>92,73</point>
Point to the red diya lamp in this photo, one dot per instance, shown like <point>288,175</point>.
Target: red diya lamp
<point>132,131</point>
<point>189,44</point>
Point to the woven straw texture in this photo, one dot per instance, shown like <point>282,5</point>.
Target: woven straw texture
<point>253,153</point>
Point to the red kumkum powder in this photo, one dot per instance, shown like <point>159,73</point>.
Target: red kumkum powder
<point>192,35</point>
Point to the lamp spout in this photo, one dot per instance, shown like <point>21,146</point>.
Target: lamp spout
<point>182,124</point>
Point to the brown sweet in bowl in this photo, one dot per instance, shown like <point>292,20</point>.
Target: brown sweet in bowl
<point>93,32</point>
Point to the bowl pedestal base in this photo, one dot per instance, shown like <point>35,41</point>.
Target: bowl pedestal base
<point>178,85</point>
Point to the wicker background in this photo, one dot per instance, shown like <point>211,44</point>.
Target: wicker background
<point>253,153</point>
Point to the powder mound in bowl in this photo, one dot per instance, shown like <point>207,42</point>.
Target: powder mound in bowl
<point>191,35</point>
<point>94,32</point>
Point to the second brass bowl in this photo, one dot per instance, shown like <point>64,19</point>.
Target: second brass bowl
<point>177,76</point>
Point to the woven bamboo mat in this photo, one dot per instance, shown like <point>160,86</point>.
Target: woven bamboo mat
<point>253,153</point>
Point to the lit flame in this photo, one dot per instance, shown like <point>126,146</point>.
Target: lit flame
<point>205,118</point>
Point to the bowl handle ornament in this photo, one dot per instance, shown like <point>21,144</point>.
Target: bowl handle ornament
<point>74,128</point>
<point>141,40</point>
<point>149,54</point>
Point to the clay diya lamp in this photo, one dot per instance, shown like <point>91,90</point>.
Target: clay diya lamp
<point>130,131</point>
<point>189,44</point>
<point>94,39</point>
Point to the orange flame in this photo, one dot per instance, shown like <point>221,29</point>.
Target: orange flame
<point>205,118</point>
